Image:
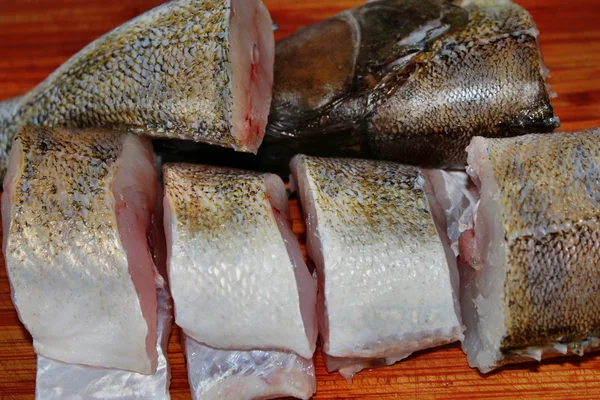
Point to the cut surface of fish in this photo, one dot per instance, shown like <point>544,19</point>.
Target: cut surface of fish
<point>246,375</point>
<point>76,212</point>
<point>452,196</point>
<point>199,70</point>
<point>237,275</point>
<point>386,281</point>
<point>530,275</point>
<point>409,81</point>
<point>56,380</point>
<point>59,381</point>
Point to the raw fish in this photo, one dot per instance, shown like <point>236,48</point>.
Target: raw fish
<point>409,81</point>
<point>59,381</point>
<point>530,276</point>
<point>237,275</point>
<point>246,375</point>
<point>198,70</point>
<point>453,197</point>
<point>76,212</point>
<point>387,282</point>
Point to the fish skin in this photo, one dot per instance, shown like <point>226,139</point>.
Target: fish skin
<point>228,255</point>
<point>549,189</point>
<point>59,381</point>
<point>386,289</point>
<point>164,74</point>
<point>216,374</point>
<point>62,229</point>
<point>422,103</point>
<point>327,93</point>
<point>56,380</point>
<point>8,111</point>
<point>497,88</point>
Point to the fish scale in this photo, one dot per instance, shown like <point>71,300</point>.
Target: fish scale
<point>552,231</point>
<point>94,77</point>
<point>168,73</point>
<point>529,246</point>
<point>233,282</point>
<point>386,282</point>
<point>413,87</point>
<point>84,288</point>
<point>486,78</point>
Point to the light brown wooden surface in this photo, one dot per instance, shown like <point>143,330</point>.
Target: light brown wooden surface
<point>36,36</point>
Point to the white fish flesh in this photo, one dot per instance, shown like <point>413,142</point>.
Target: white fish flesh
<point>386,280</point>
<point>237,275</point>
<point>59,381</point>
<point>530,249</point>
<point>199,70</point>
<point>76,212</point>
<point>245,375</point>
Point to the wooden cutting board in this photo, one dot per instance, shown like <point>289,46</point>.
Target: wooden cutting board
<point>36,36</point>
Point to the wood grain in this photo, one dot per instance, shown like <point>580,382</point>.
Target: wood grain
<point>36,36</point>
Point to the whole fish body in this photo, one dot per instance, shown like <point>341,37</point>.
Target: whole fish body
<point>198,70</point>
<point>76,211</point>
<point>530,248</point>
<point>388,283</point>
<point>409,81</point>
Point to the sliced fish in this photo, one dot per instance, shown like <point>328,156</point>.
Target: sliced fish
<point>237,275</point>
<point>198,70</point>
<point>530,275</point>
<point>59,381</point>
<point>246,375</point>
<point>387,282</point>
<point>56,380</point>
<point>410,81</point>
<point>76,211</point>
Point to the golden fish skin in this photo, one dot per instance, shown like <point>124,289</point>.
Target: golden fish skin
<point>387,280</point>
<point>8,110</point>
<point>550,190</point>
<point>534,248</point>
<point>197,70</point>
<point>76,210</point>
<point>414,87</point>
<point>234,258</point>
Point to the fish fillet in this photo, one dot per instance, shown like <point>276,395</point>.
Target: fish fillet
<point>237,275</point>
<point>245,375</point>
<point>76,212</point>
<point>530,275</point>
<point>386,280</point>
<point>59,381</point>
<point>198,70</point>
